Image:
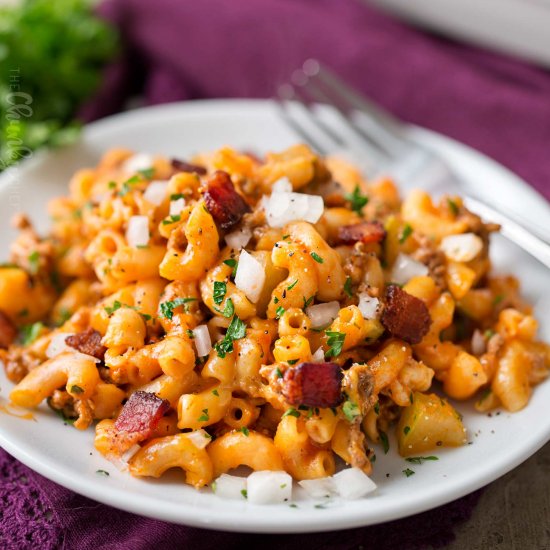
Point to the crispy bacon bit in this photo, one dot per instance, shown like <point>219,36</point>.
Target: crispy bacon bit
<point>222,200</point>
<point>405,316</point>
<point>88,342</point>
<point>141,414</point>
<point>8,331</point>
<point>365,232</point>
<point>313,385</point>
<point>182,166</point>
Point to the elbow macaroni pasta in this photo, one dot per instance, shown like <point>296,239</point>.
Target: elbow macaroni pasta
<point>153,308</point>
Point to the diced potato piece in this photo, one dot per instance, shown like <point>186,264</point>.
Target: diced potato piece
<point>465,376</point>
<point>429,422</point>
<point>511,381</point>
<point>459,278</point>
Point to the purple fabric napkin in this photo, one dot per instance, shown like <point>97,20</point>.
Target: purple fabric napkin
<point>179,49</point>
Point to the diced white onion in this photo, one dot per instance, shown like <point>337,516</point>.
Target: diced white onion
<point>177,206</point>
<point>227,486</point>
<point>137,233</point>
<point>238,239</point>
<point>266,487</point>
<point>282,185</point>
<point>318,488</point>
<point>130,453</point>
<point>57,344</point>
<point>156,192</point>
<point>199,438</point>
<point>250,276</point>
<point>353,483</point>
<point>461,248</point>
<point>283,208</point>
<point>405,268</point>
<point>478,343</point>
<point>318,356</point>
<point>202,340</point>
<point>139,161</point>
<point>368,306</point>
<point>323,314</point>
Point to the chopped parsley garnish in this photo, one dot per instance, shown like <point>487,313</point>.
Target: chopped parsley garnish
<point>489,333</point>
<point>34,259</point>
<point>384,441</point>
<point>104,473</point>
<point>29,333</point>
<point>244,493</point>
<point>307,302</point>
<point>220,289</point>
<point>316,257</point>
<point>497,299</point>
<point>216,393</point>
<point>292,361</point>
<point>245,431</point>
<point>228,310</point>
<point>290,287</point>
<point>167,308</point>
<point>408,472</point>
<point>112,185</point>
<point>127,185</point>
<point>142,246</point>
<point>147,173</point>
<point>171,219</point>
<point>405,234</point>
<point>278,372</point>
<point>204,417</point>
<point>335,343</point>
<point>453,207</point>
<point>176,196</point>
<point>190,333</point>
<point>231,262</point>
<point>64,315</point>
<point>285,237</point>
<point>291,412</point>
<point>235,331</point>
<point>420,459</point>
<point>351,410</point>
<point>76,389</point>
<point>357,200</point>
<point>347,287</point>
<point>110,310</point>
<point>279,312</point>
<point>406,430</point>
<point>377,407</point>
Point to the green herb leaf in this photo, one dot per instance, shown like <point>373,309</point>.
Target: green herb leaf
<point>278,372</point>
<point>228,310</point>
<point>171,219</point>
<point>220,289</point>
<point>316,257</point>
<point>216,393</point>
<point>408,472</point>
<point>147,173</point>
<point>110,310</point>
<point>307,302</point>
<point>497,299</point>
<point>420,459</point>
<point>453,206</point>
<point>377,407</point>
<point>167,308</point>
<point>204,417</point>
<point>292,361</point>
<point>244,430</point>
<point>357,200</point>
<point>231,262</point>
<point>351,410</point>
<point>291,412</point>
<point>176,196</point>
<point>104,473</point>
<point>29,333</point>
<point>34,262</point>
<point>76,389</point>
<point>290,287</point>
<point>244,493</point>
<point>347,287</point>
<point>190,333</point>
<point>279,312</point>
<point>405,234</point>
<point>235,331</point>
<point>406,430</point>
<point>384,441</point>
<point>335,343</point>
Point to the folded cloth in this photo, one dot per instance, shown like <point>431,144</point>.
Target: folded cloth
<point>214,48</point>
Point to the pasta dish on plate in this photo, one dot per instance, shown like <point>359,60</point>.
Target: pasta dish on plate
<point>279,313</point>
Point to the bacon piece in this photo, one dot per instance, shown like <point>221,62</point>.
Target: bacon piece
<point>365,232</point>
<point>313,385</point>
<point>8,331</point>
<point>182,166</point>
<point>141,414</point>
<point>405,316</point>
<point>88,342</point>
<point>222,200</point>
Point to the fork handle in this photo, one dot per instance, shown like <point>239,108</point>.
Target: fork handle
<point>513,231</point>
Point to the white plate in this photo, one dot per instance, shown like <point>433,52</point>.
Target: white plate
<point>66,455</point>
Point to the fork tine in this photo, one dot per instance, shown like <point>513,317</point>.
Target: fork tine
<point>377,125</point>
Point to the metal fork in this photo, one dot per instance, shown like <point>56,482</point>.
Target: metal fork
<point>378,143</point>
